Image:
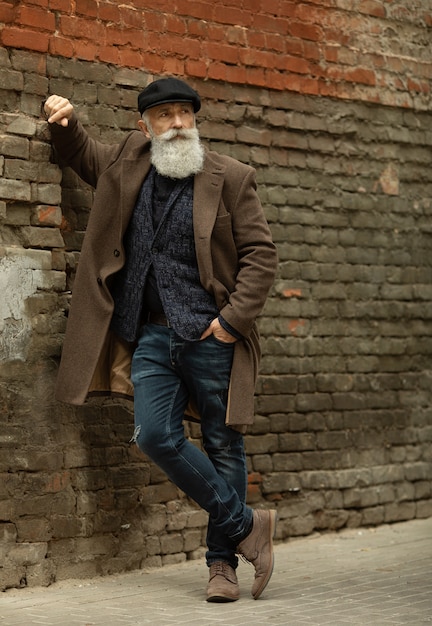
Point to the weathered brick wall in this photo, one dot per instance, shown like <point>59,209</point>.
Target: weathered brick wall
<point>358,49</point>
<point>332,107</point>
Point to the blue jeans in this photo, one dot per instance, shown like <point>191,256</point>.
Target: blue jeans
<point>166,371</point>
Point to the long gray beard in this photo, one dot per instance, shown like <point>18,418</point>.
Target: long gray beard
<point>177,158</point>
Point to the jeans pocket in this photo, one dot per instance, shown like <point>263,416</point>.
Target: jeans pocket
<point>219,342</point>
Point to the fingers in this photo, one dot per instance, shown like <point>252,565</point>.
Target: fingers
<point>219,332</point>
<point>58,110</point>
<point>206,333</point>
<point>223,335</point>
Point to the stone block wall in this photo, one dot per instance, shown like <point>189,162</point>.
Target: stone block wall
<point>331,105</point>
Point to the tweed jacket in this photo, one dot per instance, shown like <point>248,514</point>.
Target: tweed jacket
<point>236,260</point>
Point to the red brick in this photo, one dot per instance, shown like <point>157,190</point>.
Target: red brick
<point>277,81</point>
<point>253,491</point>
<point>222,52</point>
<point>86,7</point>
<point>297,65</point>
<point>85,50</point>
<point>37,18</point>
<point>360,75</point>
<point>341,37</point>
<point>164,6</point>
<point>306,31</point>
<point>288,8</point>
<point>271,24</point>
<point>198,28</point>
<point>255,477</point>
<point>175,24</point>
<point>190,48</point>
<point>309,86</point>
<point>256,76</point>
<point>152,42</point>
<point>258,58</point>
<point>290,82</point>
<point>294,47</point>
<point>315,15</point>
<point>236,35</point>
<point>130,58</point>
<point>275,42</point>
<point>108,12</point>
<point>331,53</point>
<point>124,36</point>
<point>196,68</point>
<point>27,39</point>
<point>217,71</point>
<point>82,28</point>
<point>154,22</point>
<point>216,32</point>
<point>372,7</point>
<point>39,3</point>
<point>311,50</point>
<point>270,6</point>
<point>256,39</point>
<point>152,62</point>
<point>193,48</point>
<point>195,8</point>
<point>420,86</point>
<point>254,6</point>
<point>236,74</point>
<point>61,46</point>
<point>109,54</point>
<point>131,17</point>
<point>335,73</point>
<point>173,66</point>
<point>7,12</point>
<point>60,5</point>
<point>226,15</point>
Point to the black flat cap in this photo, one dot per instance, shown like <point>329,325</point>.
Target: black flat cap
<point>167,90</point>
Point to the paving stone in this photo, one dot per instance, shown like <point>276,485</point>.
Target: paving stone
<point>356,577</point>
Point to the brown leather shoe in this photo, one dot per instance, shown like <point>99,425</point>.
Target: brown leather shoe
<point>223,585</point>
<point>257,548</point>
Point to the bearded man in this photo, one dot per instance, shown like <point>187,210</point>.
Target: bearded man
<point>175,267</point>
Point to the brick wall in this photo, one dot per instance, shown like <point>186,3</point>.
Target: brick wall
<point>364,49</point>
<point>332,107</point>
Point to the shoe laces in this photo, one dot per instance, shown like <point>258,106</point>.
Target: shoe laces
<point>221,568</point>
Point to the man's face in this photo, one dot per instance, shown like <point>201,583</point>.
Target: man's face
<point>163,117</point>
<point>176,150</point>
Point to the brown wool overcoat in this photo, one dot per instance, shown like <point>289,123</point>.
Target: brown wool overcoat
<point>236,259</point>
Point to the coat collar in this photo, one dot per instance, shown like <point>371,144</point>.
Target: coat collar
<point>134,171</point>
<point>207,189</point>
<point>207,194</point>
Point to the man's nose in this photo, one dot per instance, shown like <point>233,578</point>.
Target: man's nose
<point>177,121</point>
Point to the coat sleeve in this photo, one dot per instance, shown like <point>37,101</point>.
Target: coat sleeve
<point>256,255</point>
<point>85,155</point>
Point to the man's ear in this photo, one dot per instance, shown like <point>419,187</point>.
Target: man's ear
<point>144,128</point>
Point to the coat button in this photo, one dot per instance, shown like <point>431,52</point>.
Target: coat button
<point>116,252</point>
<point>99,280</point>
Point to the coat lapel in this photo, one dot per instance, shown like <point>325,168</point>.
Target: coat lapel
<point>133,174</point>
<point>208,186</point>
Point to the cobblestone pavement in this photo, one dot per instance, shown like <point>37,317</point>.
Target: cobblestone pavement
<point>367,577</point>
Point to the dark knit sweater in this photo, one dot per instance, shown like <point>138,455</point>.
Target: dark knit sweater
<point>160,236</point>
